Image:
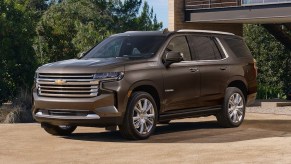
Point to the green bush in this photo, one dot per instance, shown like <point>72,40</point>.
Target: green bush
<point>273,61</point>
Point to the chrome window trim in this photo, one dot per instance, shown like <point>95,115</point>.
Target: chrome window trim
<point>223,49</point>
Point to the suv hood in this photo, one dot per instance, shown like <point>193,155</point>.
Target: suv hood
<point>84,66</point>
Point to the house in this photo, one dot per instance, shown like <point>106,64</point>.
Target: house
<point>230,15</point>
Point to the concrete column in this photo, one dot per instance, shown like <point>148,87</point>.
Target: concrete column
<point>176,12</point>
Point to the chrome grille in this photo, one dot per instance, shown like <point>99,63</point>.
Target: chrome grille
<point>67,85</point>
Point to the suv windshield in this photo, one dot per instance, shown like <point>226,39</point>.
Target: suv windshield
<point>127,46</point>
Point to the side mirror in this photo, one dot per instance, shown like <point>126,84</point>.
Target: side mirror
<point>80,55</point>
<point>173,57</point>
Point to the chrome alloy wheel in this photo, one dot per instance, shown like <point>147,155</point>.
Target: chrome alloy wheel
<point>143,116</point>
<point>236,108</point>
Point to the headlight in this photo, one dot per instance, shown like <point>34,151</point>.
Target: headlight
<point>35,76</point>
<point>109,76</point>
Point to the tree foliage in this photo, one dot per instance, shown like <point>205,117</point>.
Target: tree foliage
<point>147,20</point>
<point>70,27</point>
<point>17,56</point>
<point>273,60</point>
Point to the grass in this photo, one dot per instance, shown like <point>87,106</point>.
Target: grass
<point>4,111</point>
<point>15,114</point>
<point>19,111</point>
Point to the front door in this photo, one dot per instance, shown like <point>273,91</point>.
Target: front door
<point>181,80</point>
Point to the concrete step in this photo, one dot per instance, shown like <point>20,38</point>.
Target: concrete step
<point>273,103</point>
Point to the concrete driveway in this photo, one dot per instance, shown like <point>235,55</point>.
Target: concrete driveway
<point>263,138</point>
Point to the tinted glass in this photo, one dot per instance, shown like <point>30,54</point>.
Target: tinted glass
<point>203,48</point>
<point>180,44</point>
<point>127,46</point>
<point>238,47</point>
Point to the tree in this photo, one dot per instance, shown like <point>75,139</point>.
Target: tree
<point>38,5</point>
<point>17,64</point>
<point>127,17</point>
<point>124,14</point>
<point>72,26</point>
<point>147,21</point>
<point>273,61</point>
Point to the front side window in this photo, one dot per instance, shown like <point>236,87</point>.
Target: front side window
<point>127,46</point>
<point>203,48</point>
<point>180,44</point>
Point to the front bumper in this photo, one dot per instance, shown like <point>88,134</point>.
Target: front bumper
<point>99,111</point>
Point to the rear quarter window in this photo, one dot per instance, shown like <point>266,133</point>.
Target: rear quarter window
<point>238,47</point>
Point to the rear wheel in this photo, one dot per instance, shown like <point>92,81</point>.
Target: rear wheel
<point>233,108</point>
<point>58,130</point>
<point>140,118</point>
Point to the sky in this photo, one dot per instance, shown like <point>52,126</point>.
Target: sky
<point>160,9</point>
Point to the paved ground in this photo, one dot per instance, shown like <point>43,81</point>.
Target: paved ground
<point>263,138</point>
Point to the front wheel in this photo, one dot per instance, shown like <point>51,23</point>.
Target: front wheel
<point>233,108</point>
<point>140,117</point>
<point>58,130</point>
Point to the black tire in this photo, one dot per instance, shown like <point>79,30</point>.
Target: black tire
<point>128,129</point>
<point>165,122</point>
<point>58,130</point>
<point>226,117</point>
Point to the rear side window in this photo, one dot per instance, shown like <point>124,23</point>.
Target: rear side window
<point>238,47</point>
<point>203,48</point>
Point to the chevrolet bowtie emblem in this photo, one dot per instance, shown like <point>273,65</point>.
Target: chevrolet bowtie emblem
<point>60,82</point>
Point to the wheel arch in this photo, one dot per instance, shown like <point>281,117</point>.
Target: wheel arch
<point>240,84</point>
<point>149,87</point>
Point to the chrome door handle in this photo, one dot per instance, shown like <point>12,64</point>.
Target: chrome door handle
<point>223,68</point>
<point>193,69</point>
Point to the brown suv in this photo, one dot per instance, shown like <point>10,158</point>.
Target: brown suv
<point>135,80</point>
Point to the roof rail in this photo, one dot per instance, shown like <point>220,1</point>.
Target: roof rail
<point>206,31</point>
<point>130,31</point>
<point>139,31</point>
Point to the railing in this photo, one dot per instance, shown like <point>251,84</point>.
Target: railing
<point>207,4</point>
<point>263,2</point>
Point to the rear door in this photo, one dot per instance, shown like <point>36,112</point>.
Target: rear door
<point>213,67</point>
